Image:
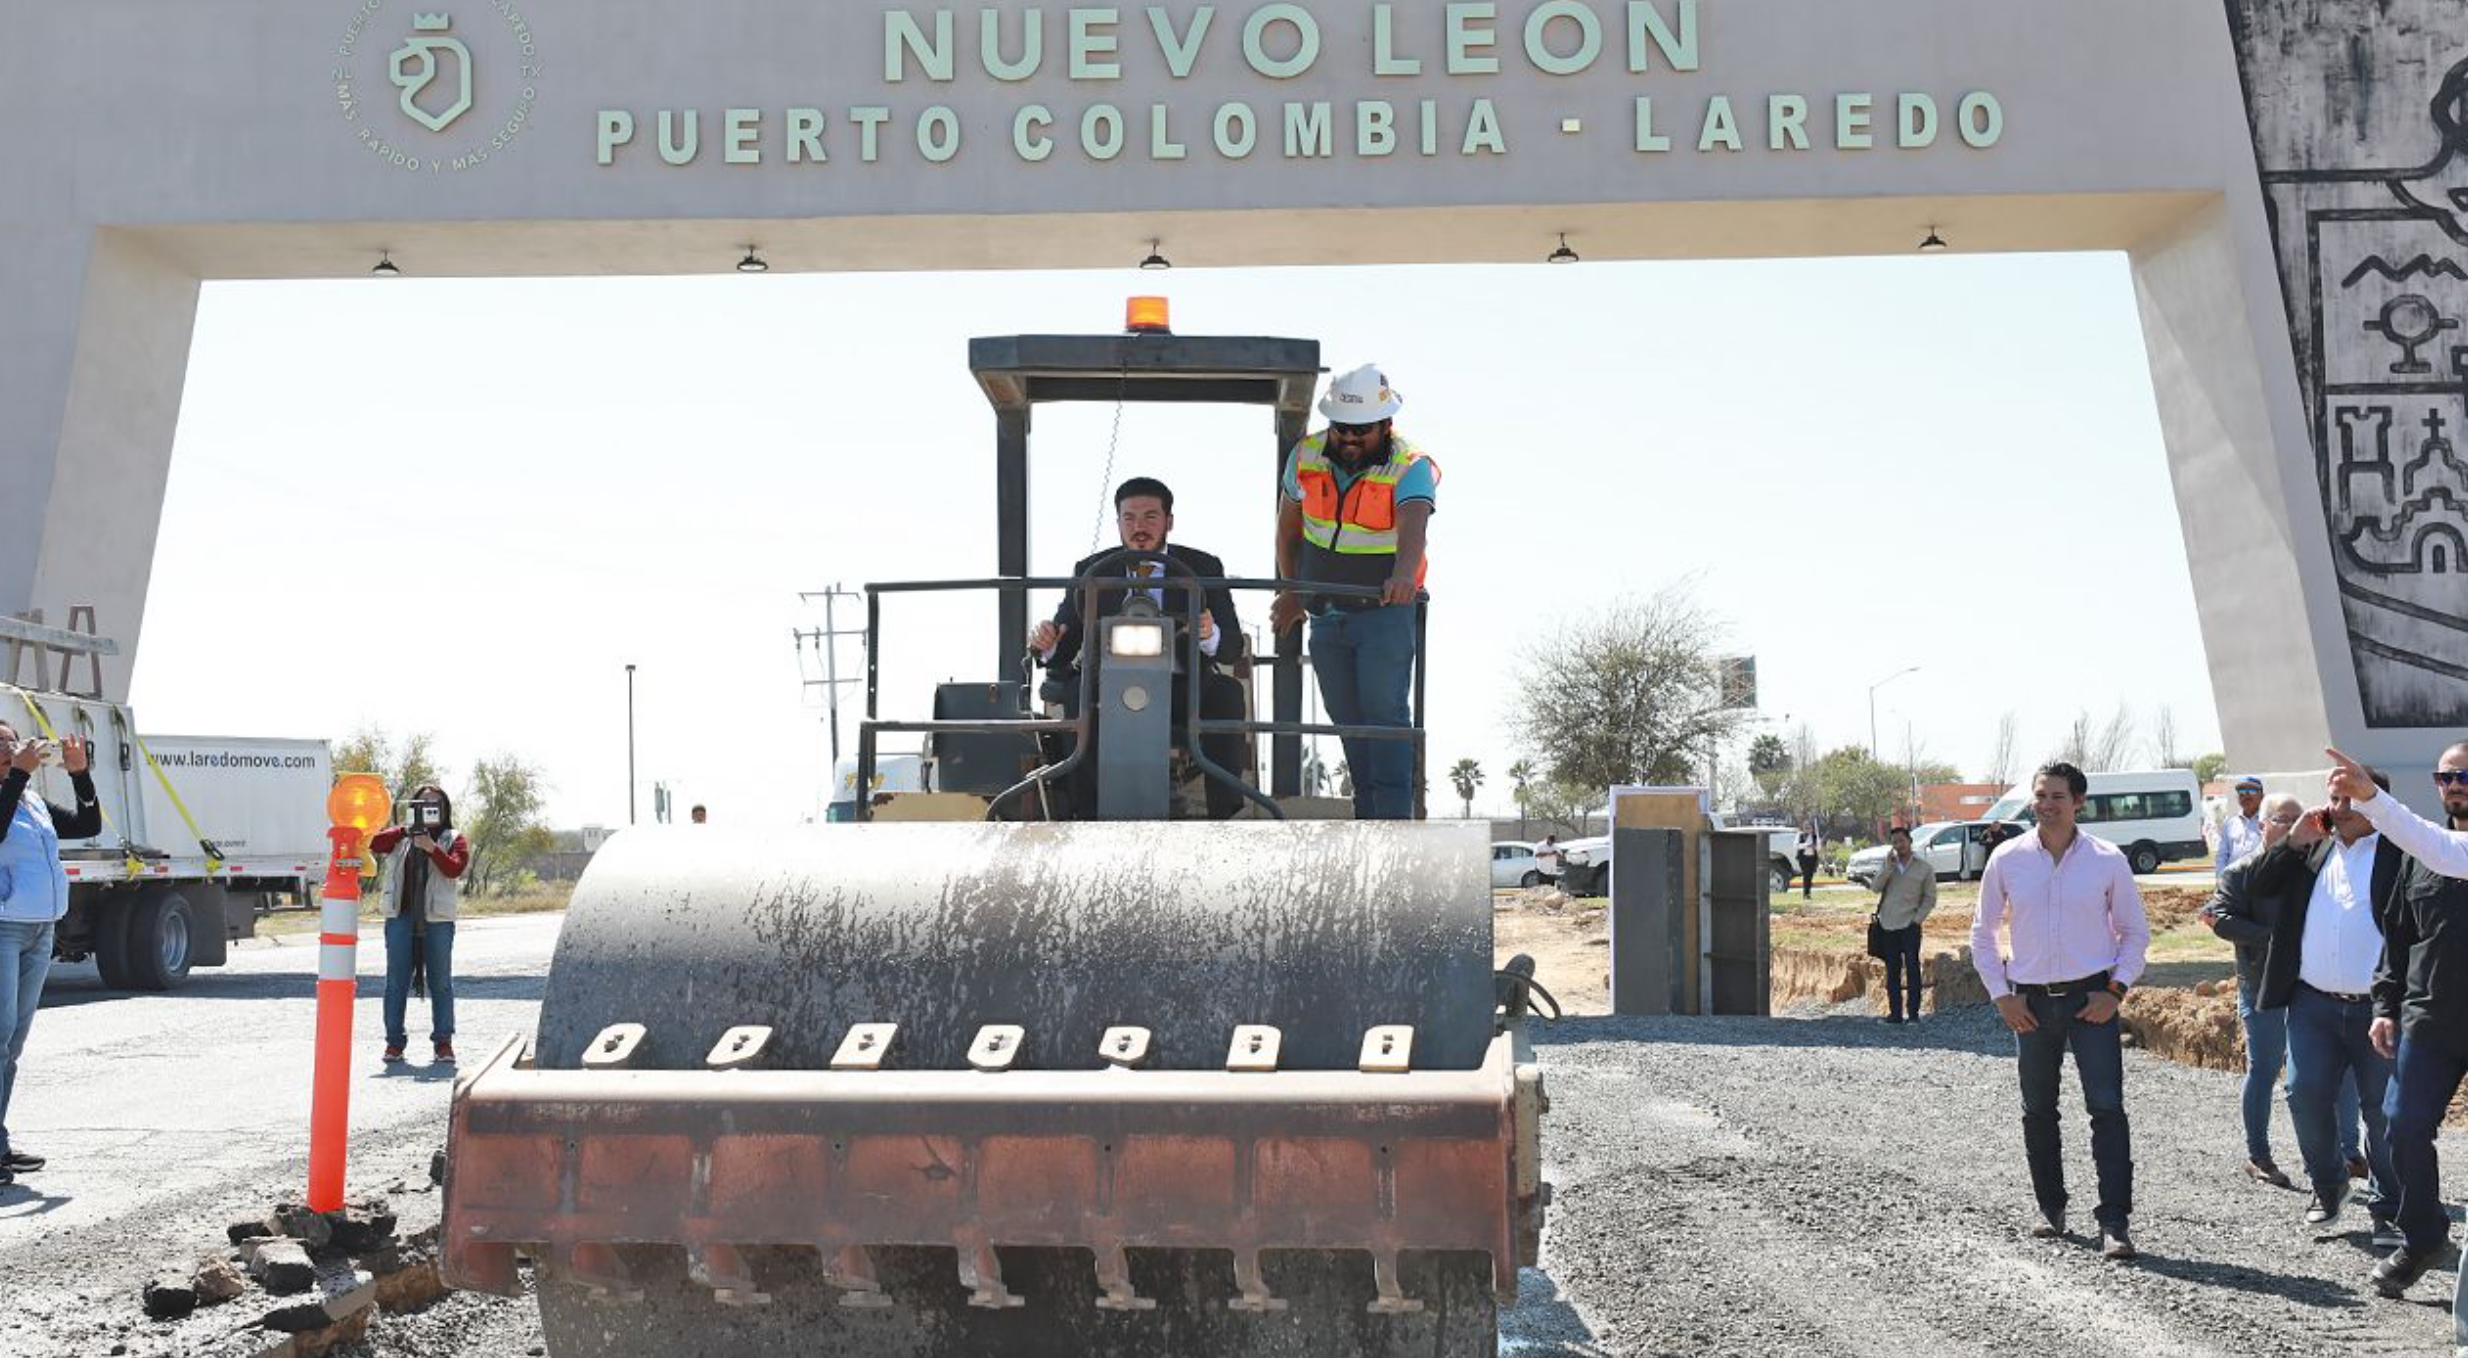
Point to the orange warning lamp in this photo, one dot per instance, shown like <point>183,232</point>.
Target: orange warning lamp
<point>1146,316</point>
<point>359,802</point>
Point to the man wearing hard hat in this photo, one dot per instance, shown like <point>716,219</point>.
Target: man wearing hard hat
<point>1358,502</point>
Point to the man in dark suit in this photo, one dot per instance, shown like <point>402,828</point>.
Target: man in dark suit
<point>2421,1022</point>
<point>1143,516</point>
<point>2334,891</point>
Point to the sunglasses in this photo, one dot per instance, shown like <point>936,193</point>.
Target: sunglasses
<point>2451,777</point>
<point>1357,431</point>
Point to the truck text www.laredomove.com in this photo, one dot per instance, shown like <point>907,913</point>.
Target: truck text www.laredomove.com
<point>230,759</point>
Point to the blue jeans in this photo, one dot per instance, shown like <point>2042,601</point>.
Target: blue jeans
<point>2266,1062</point>
<point>1365,661</point>
<point>25,959</point>
<point>2326,1043</point>
<point>2099,1062</point>
<point>2430,1067</point>
<point>2266,1056</point>
<point>440,979</point>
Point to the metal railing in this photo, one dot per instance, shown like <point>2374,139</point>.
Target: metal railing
<point>1193,590</point>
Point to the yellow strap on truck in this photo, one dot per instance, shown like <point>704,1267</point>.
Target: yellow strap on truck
<point>214,855</point>
<point>135,866</point>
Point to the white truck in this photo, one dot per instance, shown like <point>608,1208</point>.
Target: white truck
<point>196,843</point>
<point>1585,864</point>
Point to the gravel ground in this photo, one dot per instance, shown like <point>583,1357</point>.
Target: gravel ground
<point>1814,1184</point>
<point>1824,1184</point>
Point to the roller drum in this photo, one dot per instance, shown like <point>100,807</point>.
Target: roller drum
<point>1322,929</point>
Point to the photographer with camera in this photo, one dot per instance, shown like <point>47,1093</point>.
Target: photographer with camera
<point>419,863</point>
<point>34,894</point>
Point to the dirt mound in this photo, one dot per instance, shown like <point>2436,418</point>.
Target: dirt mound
<point>2187,1027</point>
<point>1801,975</point>
<point>2172,907</point>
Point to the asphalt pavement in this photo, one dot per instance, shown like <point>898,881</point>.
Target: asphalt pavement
<point>166,1115</point>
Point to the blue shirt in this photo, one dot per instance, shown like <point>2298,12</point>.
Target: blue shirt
<point>1418,483</point>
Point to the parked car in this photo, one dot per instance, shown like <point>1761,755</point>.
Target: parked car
<point>1957,849</point>
<point>2154,815</point>
<point>1512,864</point>
<point>1585,866</point>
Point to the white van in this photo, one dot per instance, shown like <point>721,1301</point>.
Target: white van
<point>2154,815</point>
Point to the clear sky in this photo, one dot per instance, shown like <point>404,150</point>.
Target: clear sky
<point>464,506</point>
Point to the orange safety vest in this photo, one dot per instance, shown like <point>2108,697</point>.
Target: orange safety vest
<point>1364,522</point>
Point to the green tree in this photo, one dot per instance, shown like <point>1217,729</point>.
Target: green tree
<point>405,768</point>
<point>1856,784</point>
<point>1565,805</point>
<point>500,815</point>
<point>1523,773</point>
<point>1629,695</point>
<point>2209,766</point>
<point>1769,764</point>
<point>1466,775</point>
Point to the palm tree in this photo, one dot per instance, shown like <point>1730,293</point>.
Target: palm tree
<point>1467,775</point>
<point>1523,773</point>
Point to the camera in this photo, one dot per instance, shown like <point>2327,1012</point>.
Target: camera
<point>423,817</point>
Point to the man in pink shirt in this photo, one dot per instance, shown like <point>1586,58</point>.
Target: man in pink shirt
<point>2077,936</point>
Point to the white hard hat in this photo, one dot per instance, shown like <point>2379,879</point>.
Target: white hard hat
<point>1362,396</point>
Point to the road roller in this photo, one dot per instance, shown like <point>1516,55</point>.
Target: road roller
<point>991,1075</point>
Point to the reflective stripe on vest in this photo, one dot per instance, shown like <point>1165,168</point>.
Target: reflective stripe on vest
<point>1365,524</point>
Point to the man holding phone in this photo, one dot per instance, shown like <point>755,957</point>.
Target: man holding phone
<point>34,894</point>
<point>2333,879</point>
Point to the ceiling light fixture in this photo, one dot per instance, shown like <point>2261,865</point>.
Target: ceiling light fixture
<point>385,266</point>
<point>1155,260</point>
<point>753,263</point>
<point>1932,242</point>
<point>1563,255</point>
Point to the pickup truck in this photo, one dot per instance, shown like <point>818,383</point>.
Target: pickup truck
<point>1585,864</point>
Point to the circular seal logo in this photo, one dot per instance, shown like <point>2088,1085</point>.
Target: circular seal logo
<point>436,91</point>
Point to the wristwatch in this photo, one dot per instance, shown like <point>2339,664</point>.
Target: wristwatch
<point>2117,988</point>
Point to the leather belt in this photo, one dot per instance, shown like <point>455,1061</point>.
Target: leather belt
<point>2060,989</point>
<point>2335,995</point>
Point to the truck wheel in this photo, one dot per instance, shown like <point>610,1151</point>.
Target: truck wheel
<point>2143,858</point>
<point>157,947</point>
<point>108,939</point>
<point>1781,877</point>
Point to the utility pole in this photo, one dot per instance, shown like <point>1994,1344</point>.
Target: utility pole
<point>827,642</point>
<point>1872,705</point>
<point>629,742</point>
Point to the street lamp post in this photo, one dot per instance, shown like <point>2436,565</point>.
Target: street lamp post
<point>629,744</point>
<point>1872,705</point>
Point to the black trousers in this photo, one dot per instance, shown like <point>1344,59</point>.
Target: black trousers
<point>1808,877</point>
<point>1221,699</point>
<point>1902,971</point>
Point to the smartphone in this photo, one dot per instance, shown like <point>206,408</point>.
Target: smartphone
<point>2322,820</point>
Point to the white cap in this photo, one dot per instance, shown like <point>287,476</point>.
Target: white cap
<point>1362,396</point>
